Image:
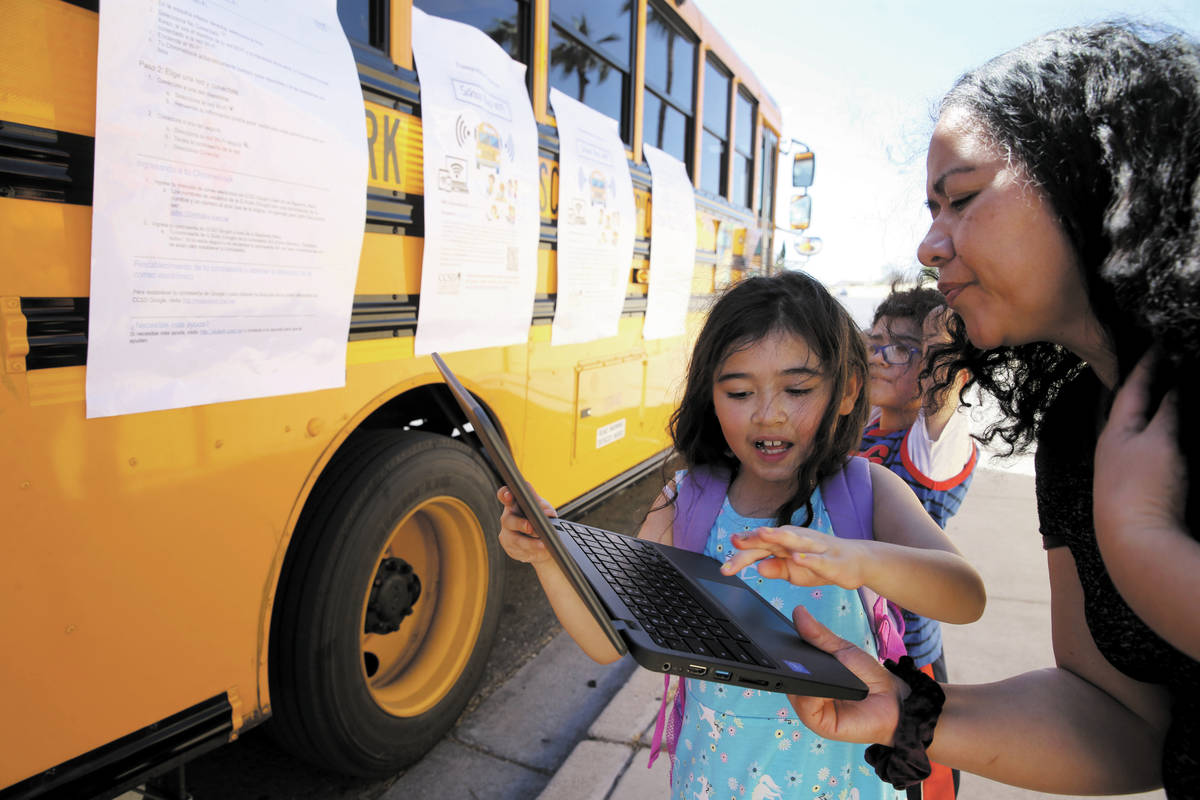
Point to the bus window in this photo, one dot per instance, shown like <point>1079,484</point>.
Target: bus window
<point>365,22</point>
<point>590,55</point>
<point>766,181</point>
<point>714,157</point>
<point>670,68</point>
<point>743,150</point>
<point>506,21</point>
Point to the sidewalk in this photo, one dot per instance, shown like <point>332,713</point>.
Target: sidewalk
<point>565,728</point>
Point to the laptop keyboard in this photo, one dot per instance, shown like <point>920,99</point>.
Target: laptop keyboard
<point>668,610</point>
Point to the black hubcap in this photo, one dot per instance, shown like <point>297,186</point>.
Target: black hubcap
<point>393,594</point>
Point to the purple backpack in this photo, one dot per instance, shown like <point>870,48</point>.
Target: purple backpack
<point>849,502</point>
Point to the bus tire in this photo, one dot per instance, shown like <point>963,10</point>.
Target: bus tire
<point>370,704</point>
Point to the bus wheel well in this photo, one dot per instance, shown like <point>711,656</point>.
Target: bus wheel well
<point>430,408</point>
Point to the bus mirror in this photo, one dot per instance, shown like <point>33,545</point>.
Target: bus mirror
<point>809,246</point>
<point>802,169</point>
<point>800,211</point>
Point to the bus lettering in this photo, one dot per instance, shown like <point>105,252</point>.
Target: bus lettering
<point>389,147</point>
<point>548,186</point>
<point>372,132</point>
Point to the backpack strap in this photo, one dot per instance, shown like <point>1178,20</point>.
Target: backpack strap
<point>849,500</point>
<point>698,499</point>
<point>850,503</point>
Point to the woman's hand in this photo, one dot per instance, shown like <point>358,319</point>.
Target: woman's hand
<point>516,533</point>
<point>1139,481</point>
<point>867,721</point>
<point>1139,499</point>
<point>801,556</point>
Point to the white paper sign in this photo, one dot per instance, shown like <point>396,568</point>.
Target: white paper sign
<point>229,200</point>
<point>595,223</point>
<point>479,270</point>
<point>672,245</point>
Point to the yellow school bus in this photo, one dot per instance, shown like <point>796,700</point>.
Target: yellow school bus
<point>325,560</point>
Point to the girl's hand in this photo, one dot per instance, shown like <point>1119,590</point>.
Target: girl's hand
<point>867,721</point>
<point>516,533</point>
<point>801,556</point>
<point>1138,483</point>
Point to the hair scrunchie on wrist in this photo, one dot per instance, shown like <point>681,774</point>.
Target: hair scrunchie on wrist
<point>905,763</point>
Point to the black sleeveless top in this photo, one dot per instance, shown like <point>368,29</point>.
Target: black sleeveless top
<point>1064,462</point>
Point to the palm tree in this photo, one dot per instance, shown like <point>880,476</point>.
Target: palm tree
<point>506,34</point>
<point>572,56</point>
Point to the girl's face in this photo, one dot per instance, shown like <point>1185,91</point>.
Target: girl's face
<point>895,386</point>
<point>1004,261</point>
<point>769,398</point>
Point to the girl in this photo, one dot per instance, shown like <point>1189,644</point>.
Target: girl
<point>1062,183</point>
<point>774,398</point>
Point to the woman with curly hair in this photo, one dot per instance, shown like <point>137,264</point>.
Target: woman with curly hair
<point>1064,187</point>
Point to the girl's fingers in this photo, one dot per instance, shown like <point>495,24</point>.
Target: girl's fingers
<point>790,572</point>
<point>740,560</point>
<point>512,518</point>
<point>774,568</point>
<point>782,540</point>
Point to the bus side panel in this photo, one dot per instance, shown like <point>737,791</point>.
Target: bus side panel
<point>143,577</point>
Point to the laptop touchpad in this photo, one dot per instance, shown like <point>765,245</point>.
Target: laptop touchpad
<point>746,604</point>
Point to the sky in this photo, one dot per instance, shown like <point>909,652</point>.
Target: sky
<point>858,84</point>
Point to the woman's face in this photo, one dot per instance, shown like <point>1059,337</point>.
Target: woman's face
<point>1004,261</point>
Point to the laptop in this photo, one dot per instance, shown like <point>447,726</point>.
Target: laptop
<point>671,608</point>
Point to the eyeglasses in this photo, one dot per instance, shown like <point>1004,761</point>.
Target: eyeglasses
<point>895,354</point>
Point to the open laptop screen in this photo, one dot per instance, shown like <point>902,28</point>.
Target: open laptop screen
<point>507,467</point>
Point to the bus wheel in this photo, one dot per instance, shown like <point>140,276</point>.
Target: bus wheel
<point>363,679</point>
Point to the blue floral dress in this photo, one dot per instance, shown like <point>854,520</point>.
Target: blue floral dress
<point>743,743</point>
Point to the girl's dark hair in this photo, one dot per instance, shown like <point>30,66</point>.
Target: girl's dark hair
<point>914,304</point>
<point>750,311</point>
<point>1105,120</point>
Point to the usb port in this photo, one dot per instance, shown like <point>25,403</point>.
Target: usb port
<point>693,669</point>
<point>722,674</point>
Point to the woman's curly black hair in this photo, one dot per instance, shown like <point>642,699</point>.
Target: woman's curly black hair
<point>1105,120</point>
<point>748,312</point>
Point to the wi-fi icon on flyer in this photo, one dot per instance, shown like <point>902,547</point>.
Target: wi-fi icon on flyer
<point>462,131</point>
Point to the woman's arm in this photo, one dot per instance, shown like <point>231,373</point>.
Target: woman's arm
<point>1079,728</point>
<point>1150,555</point>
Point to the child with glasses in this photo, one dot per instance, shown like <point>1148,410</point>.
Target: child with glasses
<point>917,434</point>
